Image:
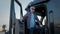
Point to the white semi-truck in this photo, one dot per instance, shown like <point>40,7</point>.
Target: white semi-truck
<point>52,24</point>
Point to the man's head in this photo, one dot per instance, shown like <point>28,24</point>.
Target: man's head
<point>32,9</point>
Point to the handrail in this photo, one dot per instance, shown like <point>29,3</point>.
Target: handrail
<point>20,6</point>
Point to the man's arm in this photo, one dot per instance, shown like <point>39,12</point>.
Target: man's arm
<point>25,16</point>
<point>22,19</point>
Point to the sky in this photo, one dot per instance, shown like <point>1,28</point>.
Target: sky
<point>5,10</point>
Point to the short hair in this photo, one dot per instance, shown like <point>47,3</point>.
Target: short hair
<point>32,7</point>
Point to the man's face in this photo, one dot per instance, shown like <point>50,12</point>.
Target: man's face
<point>32,9</point>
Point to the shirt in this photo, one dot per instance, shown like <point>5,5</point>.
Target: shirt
<point>32,21</point>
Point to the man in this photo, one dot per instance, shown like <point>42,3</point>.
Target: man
<point>31,19</point>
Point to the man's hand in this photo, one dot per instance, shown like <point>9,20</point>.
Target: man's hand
<point>21,18</point>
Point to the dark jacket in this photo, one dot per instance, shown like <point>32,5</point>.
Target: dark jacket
<point>27,18</point>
